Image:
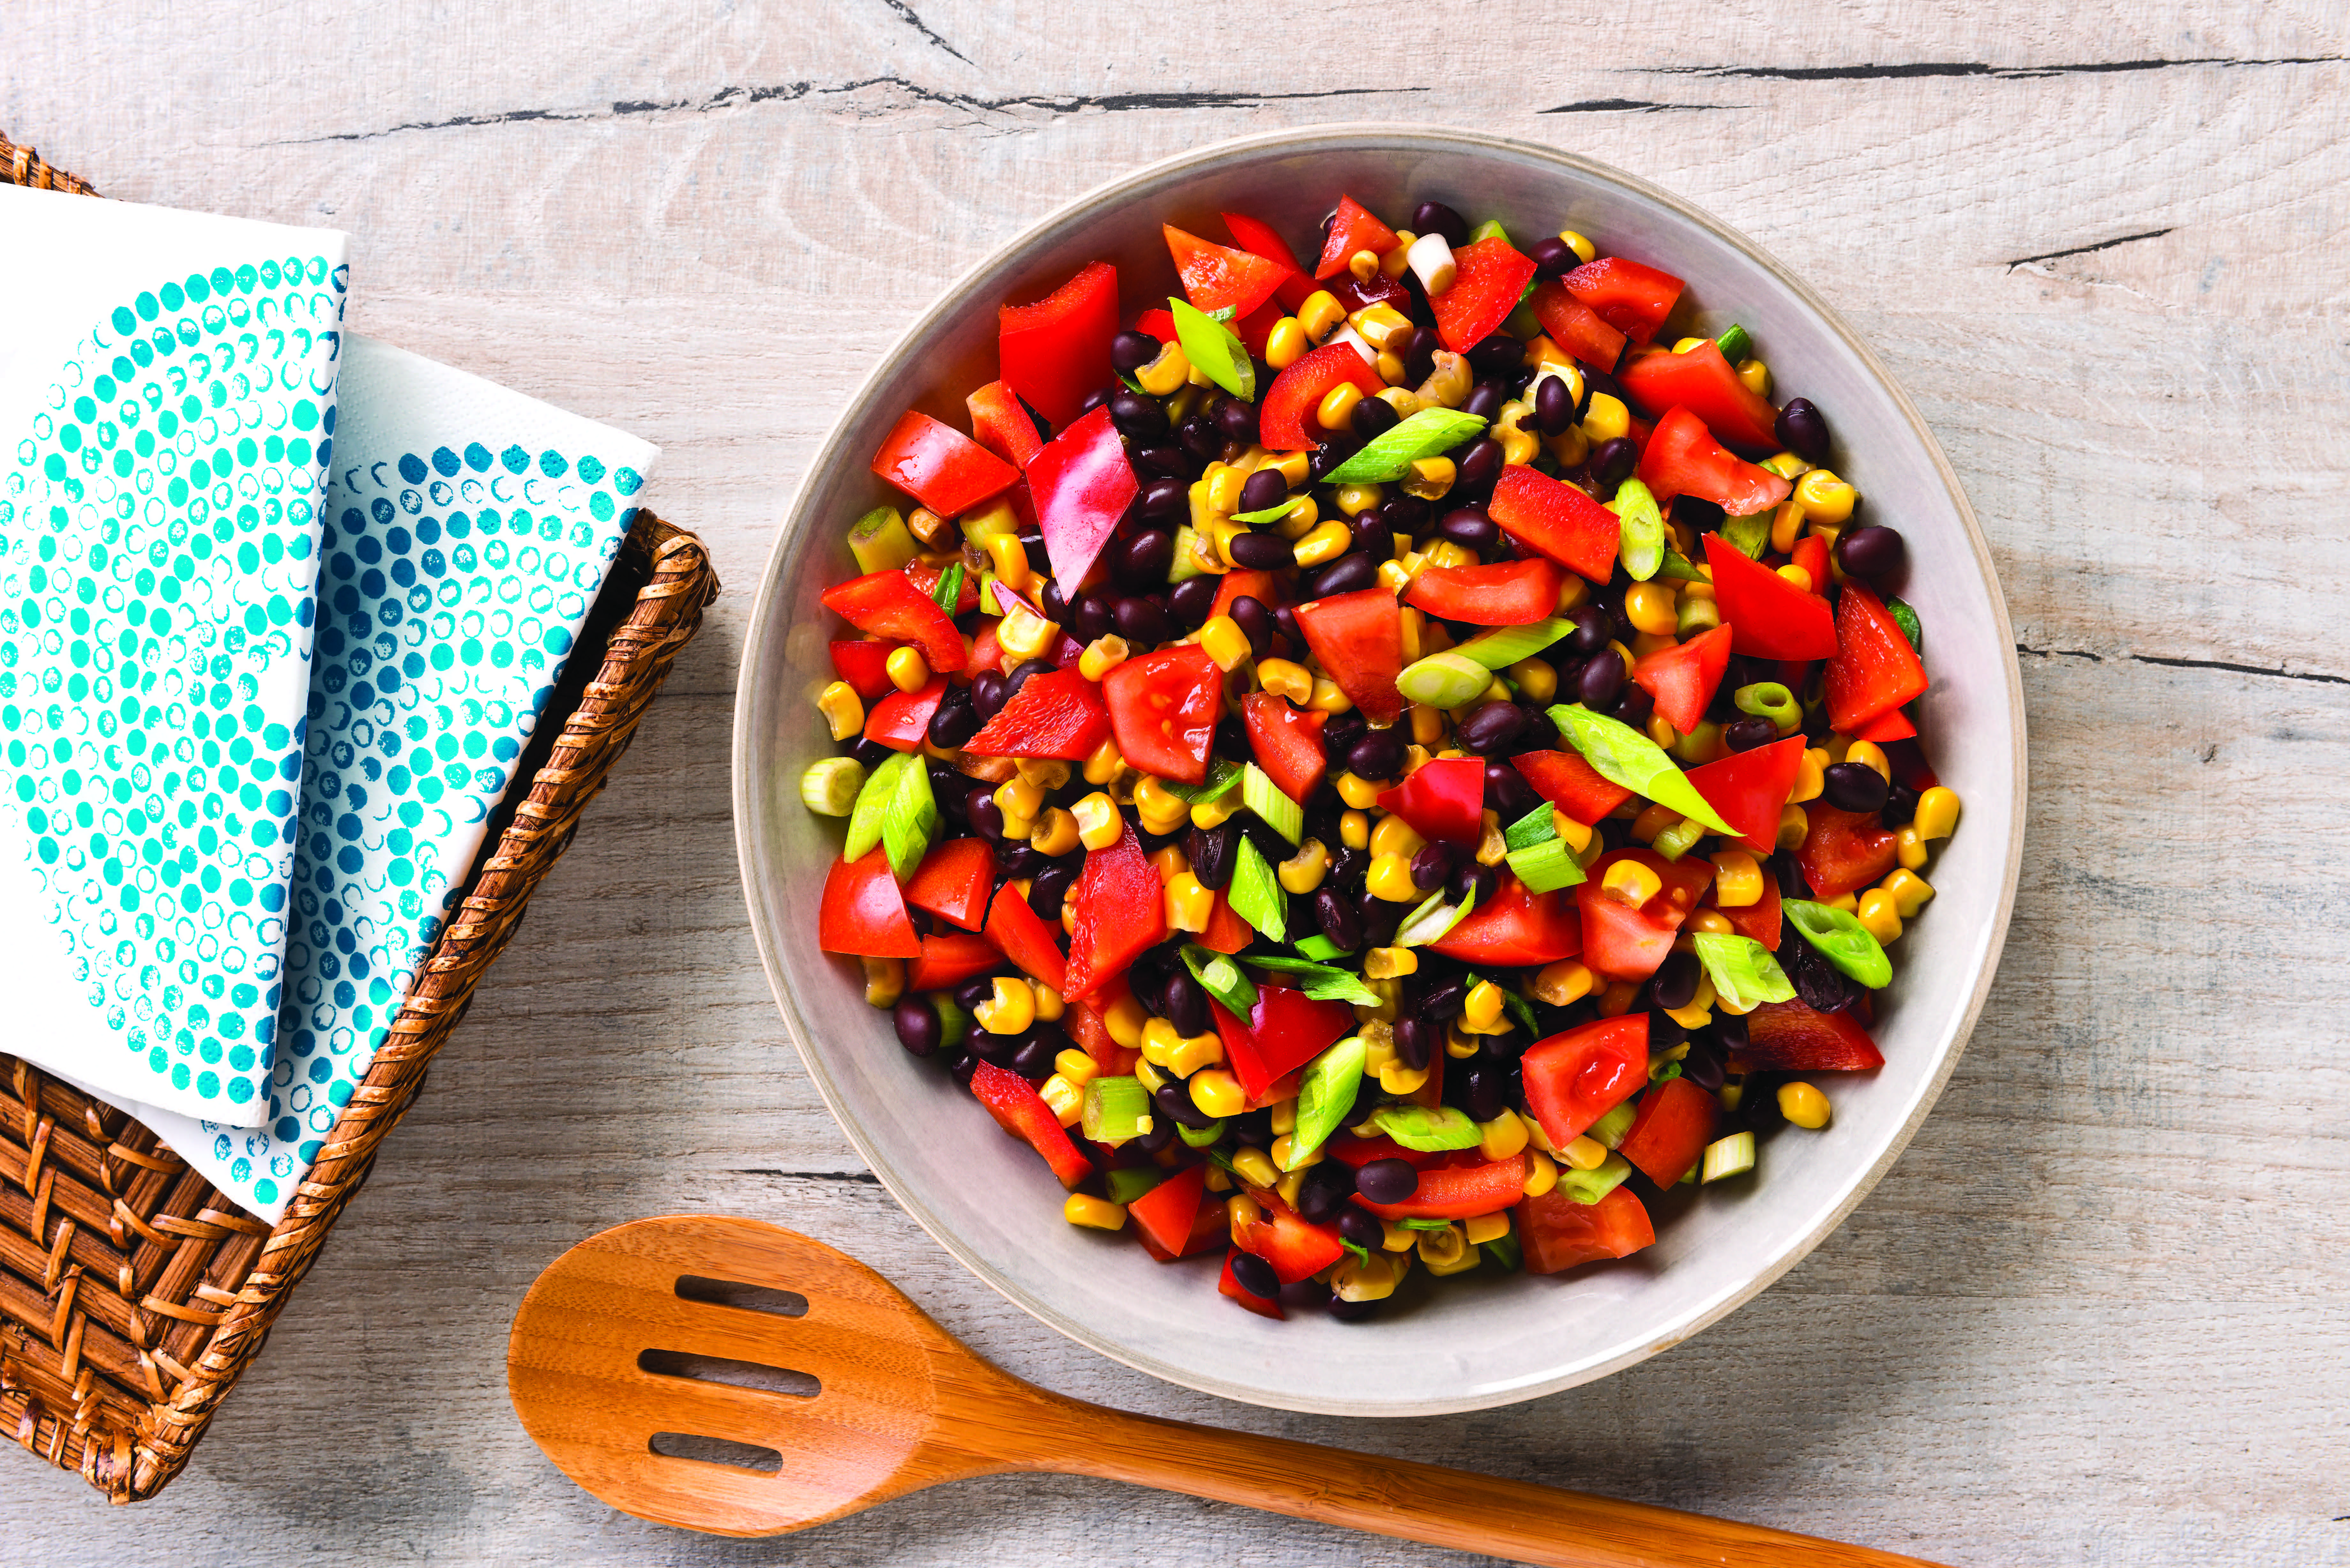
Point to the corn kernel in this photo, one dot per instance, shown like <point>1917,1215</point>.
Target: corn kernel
<point>1878,916</point>
<point>1909,892</point>
<point>1653,821</point>
<point>1188,904</point>
<point>1711,920</point>
<point>1353,1281</point>
<point>1092,1213</point>
<point>885,982</point>
<point>1337,409</point>
<point>1519,446</point>
<point>1390,879</point>
<point>1493,848</point>
<point>1355,829</point>
<point>1381,326</point>
<point>1755,376</point>
<point>1283,678</point>
<point>1802,1104</point>
<point>1937,812</point>
<point>843,711</point>
<point>1224,482</point>
<point>1218,534</point>
<point>1302,872</point>
<point>1285,344</point>
<point>1167,372</point>
<point>1396,576</point>
<point>1483,1006</point>
<point>1430,478</point>
<point>1047,774</point>
<point>1193,1052</point>
<point>1503,1137</point>
<point>1700,1010</point>
<point>1537,681</point>
<point>1325,543</point>
<point>907,670</point>
<point>1065,1100</point>
<point>1056,833</point>
<point>1811,776</point>
<point>1606,419</point>
<point>1686,344</point>
<point>1327,698</point>
<point>1389,963</point>
<point>1662,733</point>
<point>1446,1251</point>
<point>1908,848</point>
<point>1076,1066</point>
<point>1583,249</point>
<point>1578,834</point>
<point>1354,500</point>
<point>1024,634</point>
<point>1392,835</point>
<point>1798,575</point>
<point>1869,754</point>
<point>1162,810</point>
<point>1846,902</point>
<point>1125,1019</point>
<point>1104,764</point>
<point>1320,315</point>
<point>1629,882</point>
<point>1101,656</point>
<point>1486,1227</point>
<point>1226,643</point>
<point>1009,559</point>
<point>1018,797</point>
<point>1285,1155</point>
<point>1011,1009</point>
<point>1542,1174</point>
<point>1255,1166</point>
<point>1562,984</point>
<point>1216,1178</point>
<point>1300,520</point>
<point>1794,826</point>
<point>1217,1093</point>
<point>1460,1042</point>
<point>1650,606</point>
<point>1737,879</point>
<point>1099,826</point>
<point>1210,815</point>
<point>1825,498</point>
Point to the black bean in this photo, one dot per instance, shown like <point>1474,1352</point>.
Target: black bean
<point>1052,885</point>
<point>1633,705</point>
<point>1138,415</point>
<point>1166,461</point>
<point>1189,600</point>
<point>1729,1031</point>
<point>1470,527</point>
<point>953,721</point>
<point>1035,1060</point>
<point>1676,982</point>
<point>1484,1090</point>
<point>1198,436</point>
<point>1232,741</point>
<point>1255,621</point>
<point>1361,1226</point>
<point>1418,353</point>
<point>963,1066</point>
<point>1254,1276</point>
<point>1553,405</point>
<point>1472,880</point>
<point>1819,984</point>
<point>1553,256</point>
<point>1405,514</point>
<point>1373,537</point>
<point>1259,552</point>
<point>1705,1065</point>
<point>1539,734</point>
<point>985,816</point>
<point>1014,860</point>
<point>1387,1180</point>
<point>917,1022</point>
<point>1185,1004</point>
<point>972,992</point>
<point>1379,918</point>
<point>1432,863</point>
<point>871,753</point>
<point>1497,355</point>
<point>1175,1101</point>
<point>1211,851</point>
<point>1093,400</point>
<point>1492,731</point>
<point>1286,619</point>
<point>1335,449</point>
<point>1436,218</point>
<point>1612,463</point>
<point>1090,617</point>
<point>1485,400</point>
<point>1601,681</point>
<point>1328,1184</point>
<point>1378,755</point>
<point>1803,431</point>
<point>1142,623</point>
<point>1592,629</point>
<point>1445,1000</point>
<point>1165,499</point>
<point>1371,416</point>
<point>953,793</point>
<point>1022,672</point>
<point>1700,513</point>
<point>1335,917</point>
<point>1347,870</point>
<point>1265,487</point>
<point>1479,467</point>
<point>1875,552</point>
<point>1237,420</point>
<point>1131,351</point>
<point>1900,806</point>
<point>1789,875</point>
<point>1040,559</point>
<point>1416,1042</point>
<point>1347,574</point>
<point>998,1049</point>
<point>1507,792</point>
<point>1746,734</point>
<point>1855,786</point>
<point>1054,603</point>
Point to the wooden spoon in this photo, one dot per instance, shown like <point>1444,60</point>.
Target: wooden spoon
<point>665,1338</point>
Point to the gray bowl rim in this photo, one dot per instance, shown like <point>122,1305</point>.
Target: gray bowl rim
<point>1128,187</point>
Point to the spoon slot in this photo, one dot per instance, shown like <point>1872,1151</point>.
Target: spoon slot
<point>735,1373</point>
<point>716,1451</point>
<point>741,1293</point>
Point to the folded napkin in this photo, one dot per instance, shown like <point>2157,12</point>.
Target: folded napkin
<point>167,409</point>
<point>469,529</point>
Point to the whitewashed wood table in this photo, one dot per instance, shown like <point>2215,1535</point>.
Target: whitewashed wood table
<point>2096,1315</point>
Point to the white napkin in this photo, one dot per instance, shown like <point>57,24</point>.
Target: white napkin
<point>469,529</point>
<point>167,405</point>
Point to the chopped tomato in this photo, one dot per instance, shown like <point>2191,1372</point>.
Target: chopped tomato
<point>1259,239</point>
<point>1358,637</point>
<point>1491,278</point>
<point>1352,229</point>
<point>1683,459</point>
<point>1516,927</point>
<point>1444,799</point>
<point>949,960</point>
<point>940,466</point>
<point>1055,352</point>
<point>1570,784</point>
<point>901,720</point>
<point>1460,1193</point>
<point>889,605</point>
<point>1751,788</point>
<point>1574,1079</point>
<point>1768,616</point>
<point>1843,851</point>
<point>1081,485</point>
<point>1702,380</point>
<point>1055,715</point>
<point>1630,297</point>
<point>1163,708</point>
<point>1284,1031</point>
<point>1160,323</point>
<point>862,912</point>
<point>1217,277</point>
<point>1760,920</point>
<point>1121,910</point>
<point>1297,392</point>
<point>1020,1110</point>
<point>1261,587</point>
<point>1226,933</point>
<point>1558,1234</point>
<point>1625,944</point>
<point>864,663</point>
<point>1875,670</point>
<point>1789,1037</point>
<point>1024,938</point>
<point>1684,678</point>
<point>1575,327</point>
<point>1165,1212</point>
<point>1229,1286</point>
<point>1675,1124</point>
<point>1511,593</point>
<point>1295,1249</point>
<point>1360,1152</point>
<point>953,880</point>
<point>1287,742</point>
<point>1557,519</point>
<point>1086,1022</point>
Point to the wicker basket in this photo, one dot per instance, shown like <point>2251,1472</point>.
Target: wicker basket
<point>132,1294</point>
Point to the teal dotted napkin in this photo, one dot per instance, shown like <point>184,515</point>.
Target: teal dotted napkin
<point>168,400</point>
<point>468,530</point>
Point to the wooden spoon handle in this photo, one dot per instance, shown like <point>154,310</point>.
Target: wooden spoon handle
<point>1428,1503</point>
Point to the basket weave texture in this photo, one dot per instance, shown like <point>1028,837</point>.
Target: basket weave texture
<point>132,1295</point>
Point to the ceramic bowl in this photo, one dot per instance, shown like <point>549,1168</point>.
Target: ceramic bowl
<point>1487,1340</point>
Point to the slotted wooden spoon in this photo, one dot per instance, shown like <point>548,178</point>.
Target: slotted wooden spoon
<point>618,1342</point>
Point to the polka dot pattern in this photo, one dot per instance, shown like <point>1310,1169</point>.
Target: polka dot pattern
<point>158,547</point>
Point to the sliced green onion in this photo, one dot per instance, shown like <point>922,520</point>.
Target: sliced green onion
<point>1201,1137</point>
<point>1220,978</point>
<point>1272,803</point>
<point>829,787</point>
<point>1641,529</point>
<point>1115,1109</point>
<point>949,588</point>
<point>1610,1128</point>
<point>1445,679</point>
<point>1624,756</point>
<point>1769,699</point>
<point>1743,972</point>
<point>910,819</point>
<point>1505,645</point>
<point>1519,1008</point>
<point>1736,344</point>
<point>1125,1183</point>
<point>1679,838</point>
<point>1490,229</point>
<point>1545,868</point>
<point>1267,513</point>
<point>873,804</point>
<point>1254,895</point>
<point>1732,1156</point>
<point>1427,1131</point>
<point>1679,569</point>
<point>1539,826</point>
<point>1906,619</point>
<point>1842,939</point>
<point>1186,565</point>
<point>1748,535</point>
<point>1214,349</point>
<point>1322,982</point>
<point>1324,1096</point>
<point>1591,1186</point>
<point>954,1023</point>
<point>1433,919</point>
<point>1389,455</point>
<point>881,541</point>
<point>1319,948</point>
<point>1222,774</point>
<point>1506,1252</point>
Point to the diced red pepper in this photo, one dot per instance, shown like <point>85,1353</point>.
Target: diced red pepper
<point>1675,1124</point>
<point>1217,277</point>
<point>1843,851</point>
<point>1684,678</point>
<point>1284,1029</point>
<point>1444,799</point>
<point>1288,742</point>
<point>1557,1234</point>
<point>1259,239</point>
<point>1360,1152</point>
<point>1574,1079</point>
<point>1575,327</point>
<point>1701,380</point>
<point>1812,553</point>
<point>1158,322</point>
<point>889,605</point>
<point>1121,910</point>
<point>1625,944</point>
<point>1557,519</point>
<point>1358,637</point>
<point>1352,229</point>
<point>1020,1110</point>
<point>1163,708</point>
<point>1209,1230</point>
<point>1460,1193</point>
<point>1261,587</point>
<point>1082,484</point>
<point>1683,459</point>
<point>1511,593</point>
<point>940,466</point>
<point>1000,424</point>
<point>1055,715</point>
<point>1491,278</point>
<point>1789,1037</point>
<point>947,960</point>
<point>1295,1249</point>
<point>1875,670</point>
<point>1229,1286</point>
<point>1891,725</point>
<point>1760,920</point>
<point>1226,933</point>
<point>1768,616</point>
<point>1085,1021</point>
<point>1165,1212</point>
<point>1515,927</point>
<point>1065,652</point>
<point>1298,392</point>
<point>1630,297</point>
<point>1570,784</point>
<point>864,663</point>
<point>925,577</point>
<point>953,881</point>
<point>1022,935</point>
<point>902,719</point>
<point>1055,352</point>
<point>1751,788</point>
<point>862,911</point>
